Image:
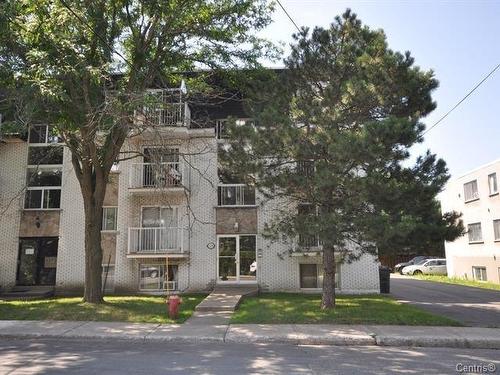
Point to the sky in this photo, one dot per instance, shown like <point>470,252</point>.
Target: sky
<point>458,40</point>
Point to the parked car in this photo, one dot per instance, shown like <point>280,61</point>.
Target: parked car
<point>399,267</point>
<point>427,267</point>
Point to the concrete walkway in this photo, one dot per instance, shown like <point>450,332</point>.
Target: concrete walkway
<point>297,334</point>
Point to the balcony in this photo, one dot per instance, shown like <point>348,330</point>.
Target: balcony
<point>165,108</point>
<point>157,242</point>
<point>148,177</point>
<point>235,195</point>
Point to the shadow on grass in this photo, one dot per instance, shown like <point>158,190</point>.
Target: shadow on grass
<point>359,309</point>
<point>144,309</point>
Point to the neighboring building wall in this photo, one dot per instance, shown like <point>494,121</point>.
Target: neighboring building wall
<point>461,255</point>
<point>13,156</point>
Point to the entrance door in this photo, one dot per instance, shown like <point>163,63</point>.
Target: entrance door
<point>237,261</point>
<point>37,261</point>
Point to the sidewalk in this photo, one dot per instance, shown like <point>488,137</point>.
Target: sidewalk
<point>296,334</point>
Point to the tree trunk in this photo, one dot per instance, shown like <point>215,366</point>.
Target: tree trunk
<point>328,298</point>
<point>93,252</point>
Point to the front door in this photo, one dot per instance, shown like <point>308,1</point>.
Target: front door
<point>237,262</point>
<point>37,261</point>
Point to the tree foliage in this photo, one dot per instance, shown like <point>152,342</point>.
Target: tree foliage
<point>334,130</point>
<point>83,65</point>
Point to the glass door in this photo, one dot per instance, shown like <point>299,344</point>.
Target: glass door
<point>247,259</point>
<point>37,261</point>
<point>227,259</point>
<point>237,259</point>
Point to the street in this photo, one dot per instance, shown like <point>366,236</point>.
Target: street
<point>44,356</point>
<point>471,306</point>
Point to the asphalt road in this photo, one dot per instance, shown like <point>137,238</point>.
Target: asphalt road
<point>120,357</point>
<point>471,306</point>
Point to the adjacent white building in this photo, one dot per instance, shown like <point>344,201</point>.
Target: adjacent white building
<point>169,222</point>
<point>476,255</point>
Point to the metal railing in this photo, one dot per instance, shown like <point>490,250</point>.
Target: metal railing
<point>236,195</point>
<point>155,175</point>
<point>155,240</point>
<point>172,114</point>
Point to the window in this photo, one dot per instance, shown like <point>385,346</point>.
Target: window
<point>42,198</point>
<point>44,176</point>
<point>470,191</point>
<point>236,195</point>
<point>155,277</point>
<point>311,276</point>
<point>109,218</point>
<point>44,155</point>
<point>492,183</point>
<point>160,217</point>
<point>108,278</point>
<point>475,234</point>
<point>479,273</point>
<point>42,134</point>
<point>496,229</point>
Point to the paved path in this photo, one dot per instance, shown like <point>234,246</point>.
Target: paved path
<point>38,356</point>
<point>296,334</point>
<point>471,306</point>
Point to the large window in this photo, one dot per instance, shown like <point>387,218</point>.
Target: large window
<point>470,191</point>
<point>42,198</point>
<point>479,273</point>
<point>475,233</point>
<point>43,188</point>
<point>311,276</point>
<point>42,134</point>
<point>40,176</point>
<point>156,277</point>
<point>44,155</point>
<point>236,195</point>
<point>109,218</point>
<point>492,183</point>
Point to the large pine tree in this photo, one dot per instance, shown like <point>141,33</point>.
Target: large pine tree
<point>333,130</point>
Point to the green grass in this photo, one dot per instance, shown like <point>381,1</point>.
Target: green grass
<point>305,308</point>
<point>148,309</point>
<point>458,281</point>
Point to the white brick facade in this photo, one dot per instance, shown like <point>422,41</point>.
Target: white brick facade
<point>462,254</point>
<point>277,269</point>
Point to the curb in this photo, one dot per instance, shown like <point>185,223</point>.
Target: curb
<point>394,341</point>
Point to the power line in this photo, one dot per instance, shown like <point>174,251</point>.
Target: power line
<point>463,99</point>
<point>288,15</point>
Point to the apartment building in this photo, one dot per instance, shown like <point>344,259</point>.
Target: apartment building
<point>476,255</point>
<point>171,222</point>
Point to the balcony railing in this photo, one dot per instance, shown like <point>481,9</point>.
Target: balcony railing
<point>172,114</point>
<point>236,195</point>
<point>155,175</point>
<point>156,240</point>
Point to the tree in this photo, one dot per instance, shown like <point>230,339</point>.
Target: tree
<point>86,64</point>
<point>333,130</point>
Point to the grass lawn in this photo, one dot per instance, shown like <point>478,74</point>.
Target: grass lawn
<point>456,280</point>
<point>149,309</point>
<point>304,308</point>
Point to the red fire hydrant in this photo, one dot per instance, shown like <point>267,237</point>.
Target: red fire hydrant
<point>173,303</point>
